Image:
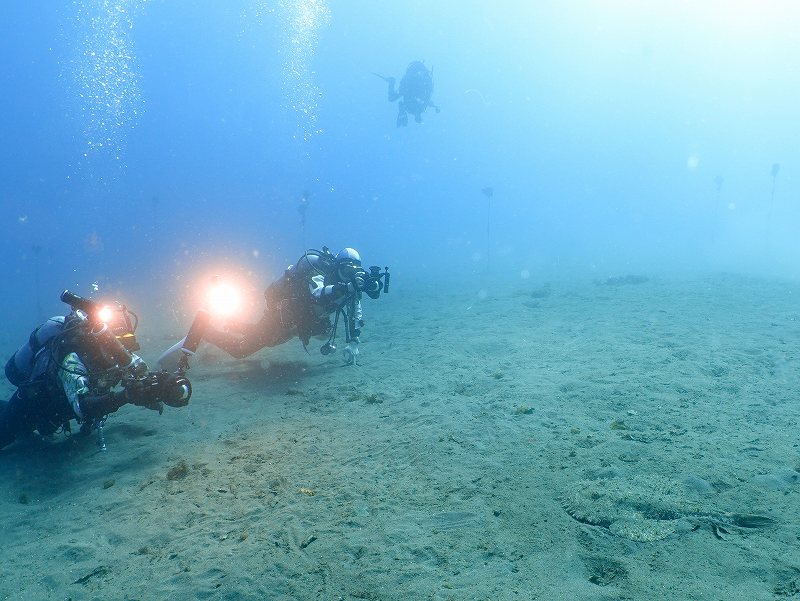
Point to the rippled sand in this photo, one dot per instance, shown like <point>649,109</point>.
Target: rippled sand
<point>514,447</point>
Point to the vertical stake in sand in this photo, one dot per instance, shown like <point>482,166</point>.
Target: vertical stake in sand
<point>776,167</point>
<point>718,181</point>
<point>488,192</point>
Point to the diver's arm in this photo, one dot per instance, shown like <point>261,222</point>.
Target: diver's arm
<point>373,287</point>
<point>74,380</point>
<point>87,404</point>
<point>95,406</point>
<point>14,419</point>
<point>317,287</point>
<point>334,292</point>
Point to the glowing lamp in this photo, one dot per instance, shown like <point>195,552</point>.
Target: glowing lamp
<point>224,300</point>
<point>106,314</point>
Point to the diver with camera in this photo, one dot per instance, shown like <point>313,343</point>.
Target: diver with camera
<point>302,301</point>
<point>83,366</point>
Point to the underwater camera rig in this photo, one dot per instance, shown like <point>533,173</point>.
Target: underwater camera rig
<point>157,387</point>
<point>113,329</point>
<point>382,277</point>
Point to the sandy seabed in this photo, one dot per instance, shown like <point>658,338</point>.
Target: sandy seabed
<point>609,440</point>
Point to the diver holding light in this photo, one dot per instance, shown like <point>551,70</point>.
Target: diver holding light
<point>301,303</point>
<point>222,300</point>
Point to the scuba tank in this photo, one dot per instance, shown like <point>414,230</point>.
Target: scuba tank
<point>287,294</point>
<point>21,367</point>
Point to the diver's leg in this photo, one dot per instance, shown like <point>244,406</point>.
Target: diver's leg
<point>402,116</point>
<point>14,420</point>
<point>418,117</point>
<point>235,346</point>
<point>238,327</point>
<point>267,332</point>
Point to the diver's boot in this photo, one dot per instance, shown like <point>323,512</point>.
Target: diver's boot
<point>402,119</point>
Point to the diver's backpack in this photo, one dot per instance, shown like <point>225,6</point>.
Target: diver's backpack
<point>290,295</point>
<point>417,82</point>
<point>31,361</point>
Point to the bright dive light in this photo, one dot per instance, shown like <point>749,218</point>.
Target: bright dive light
<point>105,314</point>
<point>224,300</point>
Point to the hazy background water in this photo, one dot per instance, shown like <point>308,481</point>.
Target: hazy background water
<point>147,144</point>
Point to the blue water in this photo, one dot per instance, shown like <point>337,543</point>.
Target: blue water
<point>144,138</point>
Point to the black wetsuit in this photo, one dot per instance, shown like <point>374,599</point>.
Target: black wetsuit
<point>23,414</point>
<point>57,353</point>
<point>414,92</point>
<point>298,304</point>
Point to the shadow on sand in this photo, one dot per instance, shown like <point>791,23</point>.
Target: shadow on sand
<point>255,373</point>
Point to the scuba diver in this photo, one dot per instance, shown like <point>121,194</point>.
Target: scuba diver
<point>415,91</point>
<point>82,366</point>
<point>301,302</point>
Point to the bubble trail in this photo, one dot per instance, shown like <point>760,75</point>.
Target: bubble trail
<point>104,73</point>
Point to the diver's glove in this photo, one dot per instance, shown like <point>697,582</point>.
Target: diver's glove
<point>95,406</point>
<point>351,287</point>
<point>371,286</point>
<point>356,284</point>
<point>137,367</point>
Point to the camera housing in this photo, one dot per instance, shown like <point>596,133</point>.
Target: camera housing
<point>174,390</point>
<point>377,275</point>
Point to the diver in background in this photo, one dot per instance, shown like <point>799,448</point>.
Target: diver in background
<point>415,91</point>
<point>301,302</point>
<point>70,368</point>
